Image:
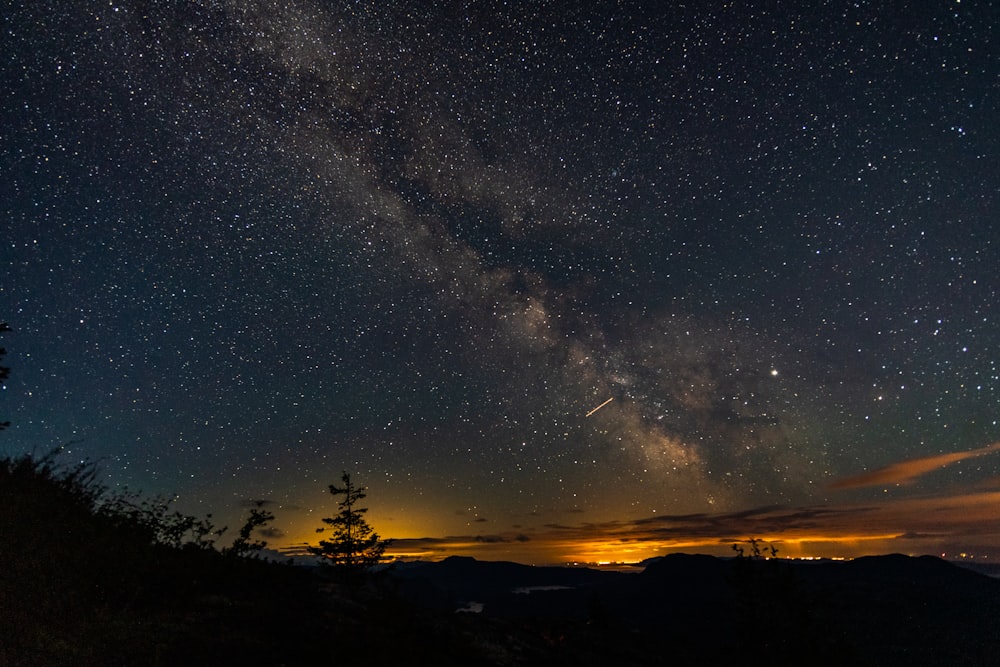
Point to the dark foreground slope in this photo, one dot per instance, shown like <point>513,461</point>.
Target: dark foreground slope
<point>84,583</point>
<point>90,580</point>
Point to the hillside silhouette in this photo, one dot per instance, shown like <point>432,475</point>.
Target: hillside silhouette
<point>89,578</point>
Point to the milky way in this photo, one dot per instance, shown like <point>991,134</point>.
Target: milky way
<point>250,244</point>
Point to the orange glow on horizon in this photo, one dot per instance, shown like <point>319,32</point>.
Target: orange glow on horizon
<point>922,525</point>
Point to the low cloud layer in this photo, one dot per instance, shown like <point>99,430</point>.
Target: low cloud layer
<point>907,472</point>
<point>916,525</point>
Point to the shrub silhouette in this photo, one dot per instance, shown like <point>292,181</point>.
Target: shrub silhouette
<point>91,578</point>
<point>774,611</point>
<point>243,545</point>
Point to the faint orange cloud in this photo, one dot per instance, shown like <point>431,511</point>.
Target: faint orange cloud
<point>905,472</point>
<point>950,523</point>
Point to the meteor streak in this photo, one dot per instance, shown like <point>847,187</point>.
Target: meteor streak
<point>600,406</point>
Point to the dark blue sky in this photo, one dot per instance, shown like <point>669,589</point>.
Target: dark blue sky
<point>248,245</point>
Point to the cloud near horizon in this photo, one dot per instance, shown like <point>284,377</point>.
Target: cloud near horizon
<point>925,525</point>
<point>966,521</point>
<point>906,472</point>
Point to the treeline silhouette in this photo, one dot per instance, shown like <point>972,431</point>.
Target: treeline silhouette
<point>89,577</point>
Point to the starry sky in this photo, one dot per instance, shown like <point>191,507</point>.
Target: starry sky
<point>247,245</point>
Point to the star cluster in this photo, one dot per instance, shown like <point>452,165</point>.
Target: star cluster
<point>250,244</point>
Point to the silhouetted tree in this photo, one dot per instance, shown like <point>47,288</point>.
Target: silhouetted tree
<point>4,370</point>
<point>353,546</point>
<point>757,549</point>
<point>774,611</point>
<point>242,545</point>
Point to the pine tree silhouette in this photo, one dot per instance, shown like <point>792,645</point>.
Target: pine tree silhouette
<point>354,546</point>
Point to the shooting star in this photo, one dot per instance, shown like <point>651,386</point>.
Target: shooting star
<point>599,406</point>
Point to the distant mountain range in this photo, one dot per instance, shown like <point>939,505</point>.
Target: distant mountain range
<point>880,610</point>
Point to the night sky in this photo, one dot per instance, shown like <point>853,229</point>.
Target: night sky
<point>246,245</point>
